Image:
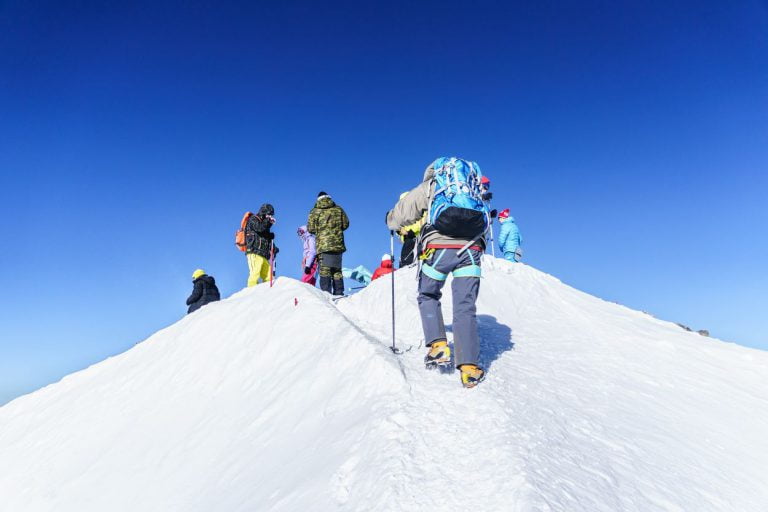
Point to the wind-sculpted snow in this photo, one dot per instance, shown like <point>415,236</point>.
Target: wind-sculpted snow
<point>279,399</point>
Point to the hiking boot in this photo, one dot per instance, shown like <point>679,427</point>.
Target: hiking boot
<point>439,354</point>
<point>471,375</point>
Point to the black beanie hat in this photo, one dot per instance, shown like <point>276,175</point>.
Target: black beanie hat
<point>322,194</point>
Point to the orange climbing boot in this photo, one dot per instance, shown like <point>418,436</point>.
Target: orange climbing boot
<point>439,354</point>
<point>471,375</point>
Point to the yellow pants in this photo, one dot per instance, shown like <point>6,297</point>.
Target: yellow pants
<point>258,267</point>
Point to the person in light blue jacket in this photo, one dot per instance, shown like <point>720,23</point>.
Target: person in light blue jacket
<point>510,239</point>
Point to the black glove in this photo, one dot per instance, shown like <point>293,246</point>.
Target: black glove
<point>494,213</point>
<point>487,196</point>
<point>307,270</point>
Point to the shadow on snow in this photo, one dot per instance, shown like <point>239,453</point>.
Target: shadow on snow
<point>495,339</point>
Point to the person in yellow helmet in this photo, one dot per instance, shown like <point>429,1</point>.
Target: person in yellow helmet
<point>204,291</point>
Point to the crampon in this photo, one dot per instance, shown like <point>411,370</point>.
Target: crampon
<point>439,355</point>
<point>471,375</point>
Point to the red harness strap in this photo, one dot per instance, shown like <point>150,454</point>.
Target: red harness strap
<point>454,246</point>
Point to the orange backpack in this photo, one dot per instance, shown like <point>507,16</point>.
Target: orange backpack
<point>240,234</point>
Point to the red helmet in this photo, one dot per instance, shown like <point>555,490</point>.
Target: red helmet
<point>504,214</point>
<point>485,181</point>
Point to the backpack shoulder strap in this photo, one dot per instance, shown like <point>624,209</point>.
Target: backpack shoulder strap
<point>431,197</point>
<point>244,222</point>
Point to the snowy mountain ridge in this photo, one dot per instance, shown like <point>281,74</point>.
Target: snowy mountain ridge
<point>279,399</point>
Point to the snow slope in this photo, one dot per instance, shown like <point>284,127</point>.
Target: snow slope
<point>279,399</point>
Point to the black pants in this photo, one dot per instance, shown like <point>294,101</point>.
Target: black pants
<point>331,279</point>
<point>408,254</point>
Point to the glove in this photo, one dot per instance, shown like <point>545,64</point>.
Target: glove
<point>494,213</point>
<point>307,270</point>
<point>487,196</point>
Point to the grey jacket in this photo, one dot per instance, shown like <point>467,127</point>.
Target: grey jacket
<point>411,208</point>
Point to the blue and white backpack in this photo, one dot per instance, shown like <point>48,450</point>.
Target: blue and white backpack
<point>457,208</point>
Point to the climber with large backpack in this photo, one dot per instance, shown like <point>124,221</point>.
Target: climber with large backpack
<point>451,241</point>
<point>256,239</point>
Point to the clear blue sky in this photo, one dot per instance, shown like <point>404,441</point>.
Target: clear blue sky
<point>630,142</point>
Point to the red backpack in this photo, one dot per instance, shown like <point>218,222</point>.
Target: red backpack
<point>240,234</point>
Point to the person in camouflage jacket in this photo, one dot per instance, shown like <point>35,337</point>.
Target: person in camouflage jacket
<point>327,221</point>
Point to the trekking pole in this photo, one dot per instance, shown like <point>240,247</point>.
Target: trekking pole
<point>392,253</point>
<point>271,264</point>
<point>493,248</point>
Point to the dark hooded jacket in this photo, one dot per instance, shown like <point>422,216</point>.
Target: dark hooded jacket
<point>258,232</point>
<point>205,291</point>
<point>327,221</point>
